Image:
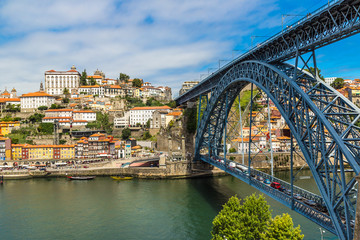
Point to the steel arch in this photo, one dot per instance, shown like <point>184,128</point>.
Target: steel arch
<point>321,120</point>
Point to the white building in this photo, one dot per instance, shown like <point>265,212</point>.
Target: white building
<point>330,80</point>
<point>140,115</point>
<point>68,116</point>
<point>187,86</point>
<point>57,81</point>
<point>121,122</point>
<point>34,100</point>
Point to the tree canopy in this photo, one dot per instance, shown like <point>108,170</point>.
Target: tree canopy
<point>126,133</point>
<point>252,220</point>
<point>136,82</point>
<point>338,83</point>
<point>124,77</point>
<point>312,71</point>
<point>83,78</point>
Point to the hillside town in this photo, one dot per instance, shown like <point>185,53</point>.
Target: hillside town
<point>75,116</point>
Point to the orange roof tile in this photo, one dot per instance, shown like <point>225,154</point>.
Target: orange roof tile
<point>150,108</point>
<point>36,94</point>
<point>95,76</point>
<point>60,110</point>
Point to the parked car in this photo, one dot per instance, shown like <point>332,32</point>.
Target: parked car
<point>267,181</point>
<point>275,185</point>
<point>298,197</point>
<point>310,202</point>
<point>260,178</point>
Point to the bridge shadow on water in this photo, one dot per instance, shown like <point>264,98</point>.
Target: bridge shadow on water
<point>214,190</point>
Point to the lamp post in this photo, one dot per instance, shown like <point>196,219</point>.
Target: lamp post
<point>322,232</point>
<point>253,38</point>
<point>222,60</point>
<point>283,16</point>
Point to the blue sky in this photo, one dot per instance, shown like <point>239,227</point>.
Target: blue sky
<point>164,42</point>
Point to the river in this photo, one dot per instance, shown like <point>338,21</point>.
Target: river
<point>56,208</point>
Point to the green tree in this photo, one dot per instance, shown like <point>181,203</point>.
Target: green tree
<point>171,104</point>
<point>46,128</point>
<point>36,117</point>
<point>65,100</point>
<point>92,81</point>
<point>247,221</point>
<point>136,82</point>
<point>312,71</point>
<point>191,120</point>
<point>124,77</point>
<point>146,135</point>
<point>232,150</point>
<point>338,83</point>
<point>43,108</point>
<point>126,133</point>
<point>252,220</point>
<point>66,91</point>
<point>54,106</point>
<point>282,228</point>
<point>148,123</point>
<point>83,78</point>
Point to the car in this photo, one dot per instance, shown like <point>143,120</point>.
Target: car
<point>321,208</point>
<point>310,202</point>
<point>287,192</point>
<point>260,178</point>
<point>275,185</point>
<point>267,181</point>
<point>298,197</point>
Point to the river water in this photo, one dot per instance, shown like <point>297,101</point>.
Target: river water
<point>56,208</point>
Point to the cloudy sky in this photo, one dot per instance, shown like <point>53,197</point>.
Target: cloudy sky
<point>164,42</point>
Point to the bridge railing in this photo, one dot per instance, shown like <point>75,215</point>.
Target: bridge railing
<point>323,219</point>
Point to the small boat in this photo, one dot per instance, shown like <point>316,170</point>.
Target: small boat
<point>121,178</point>
<point>39,173</point>
<point>81,177</point>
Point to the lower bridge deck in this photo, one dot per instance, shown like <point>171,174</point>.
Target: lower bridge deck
<point>304,202</point>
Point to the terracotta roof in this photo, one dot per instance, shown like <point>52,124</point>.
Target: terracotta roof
<point>174,113</point>
<point>151,108</point>
<point>60,110</point>
<point>51,70</point>
<point>6,93</point>
<point>72,70</point>
<point>90,86</point>
<point>115,86</point>
<point>9,99</point>
<point>36,94</point>
<point>95,76</point>
<point>84,111</point>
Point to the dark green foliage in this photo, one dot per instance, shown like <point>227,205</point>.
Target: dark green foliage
<point>43,108</point>
<point>46,128</point>
<point>137,82</point>
<point>152,102</point>
<point>55,106</point>
<point>282,228</point>
<point>312,71</point>
<point>36,117</point>
<point>126,133</point>
<point>7,118</point>
<point>148,123</point>
<point>92,81</point>
<point>146,135</point>
<point>252,220</point>
<point>66,91</point>
<point>191,120</point>
<point>232,150</point>
<point>83,78</point>
<point>124,77</point>
<point>65,100</point>
<point>102,122</point>
<point>134,102</point>
<point>171,104</point>
<point>62,141</point>
<point>338,83</point>
<point>12,108</point>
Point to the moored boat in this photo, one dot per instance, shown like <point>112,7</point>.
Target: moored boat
<point>121,178</point>
<point>39,173</point>
<point>81,177</point>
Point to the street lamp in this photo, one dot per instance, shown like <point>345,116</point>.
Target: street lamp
<point>321,232</point>
<point>283,16</point>
<point>253,37</point>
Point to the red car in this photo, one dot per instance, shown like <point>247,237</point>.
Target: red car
<point>275,185</point>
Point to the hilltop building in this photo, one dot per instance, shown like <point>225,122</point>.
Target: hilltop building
<point>31,101</point>
<point>187,86</point>
<point>57,81</point>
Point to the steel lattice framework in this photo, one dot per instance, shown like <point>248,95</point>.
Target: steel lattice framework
<point>321,120</point>
<point>326,25</point>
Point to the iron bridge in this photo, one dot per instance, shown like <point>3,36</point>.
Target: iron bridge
<point>322,121</point>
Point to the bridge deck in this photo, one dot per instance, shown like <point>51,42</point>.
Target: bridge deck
<point>317,214</point>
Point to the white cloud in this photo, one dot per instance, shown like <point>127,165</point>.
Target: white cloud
<point>164,42</point>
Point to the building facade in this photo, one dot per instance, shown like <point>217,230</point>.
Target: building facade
<point>42,152</point>
<point>57,81</point>
<point>187,86</point>
<point>140,115</point>
<point>30,101</point>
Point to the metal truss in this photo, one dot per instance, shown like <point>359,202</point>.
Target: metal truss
<point>324,26</point>
<point>321,120</point>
